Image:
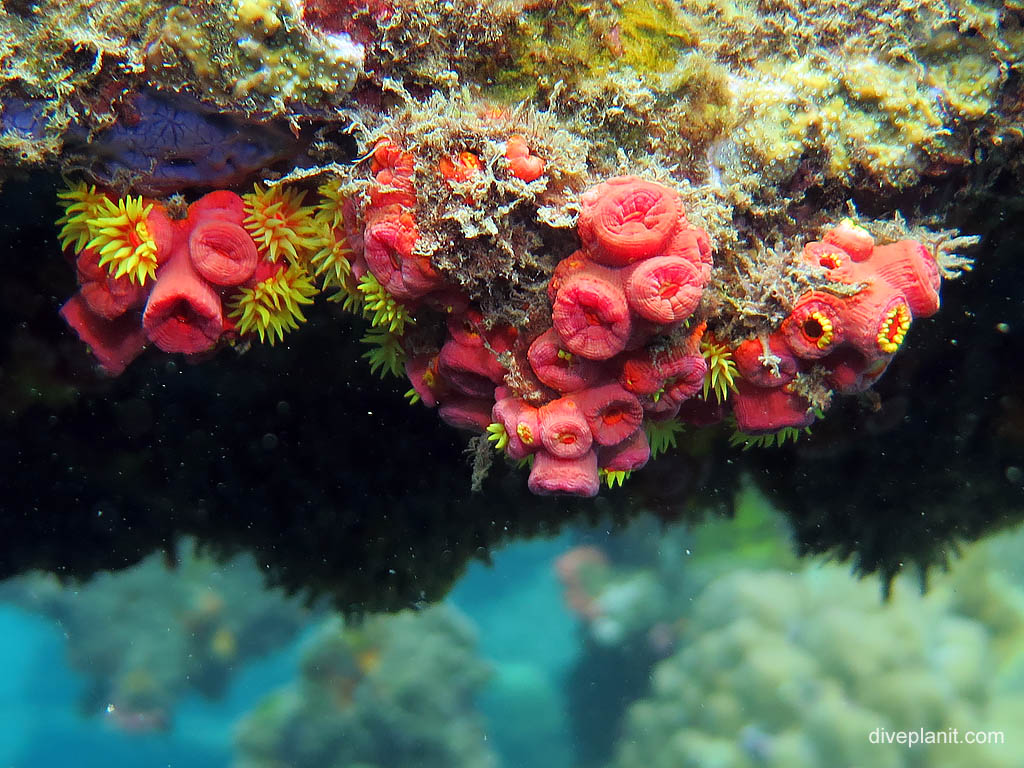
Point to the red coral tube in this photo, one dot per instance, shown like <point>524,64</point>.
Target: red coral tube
<point>558,368</point>
<point>521,163</point>
<point>222,252</point>
<point>749,355</point>
<point>640,375</point>
<point>759,410</point>
<point>393,170</point>
<point>854,240</point>
<point>688,381</point>
<point>876,320</point>
<point>566,268</point>
<point>632,453</point>
<point>522,425</point>
<point>468,369</point>
<point>469,413</point>
<point>626,219</point>
<point>388,248</point>
<point>424,377</point>
<point>612,413</point>
<point>115,343</point>
<point>664,289</point>
<point>909,268</point>
<point>849,372</point>
<point>183,313</point>
<point>106,296</point>
<point>552,475</point>
<point>112,297</point>
<point>591,316</point>
<point>563,429</point>
<point>829,256</point>
<point>815,326</point>
<point>219,204</point>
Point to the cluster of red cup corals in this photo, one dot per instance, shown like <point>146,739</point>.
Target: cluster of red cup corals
<point>177,301</point>
<point>849,337</point>
<point>623,346</point>
<point>593,375</point>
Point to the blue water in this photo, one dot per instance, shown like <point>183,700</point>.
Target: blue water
<point>524,631</point>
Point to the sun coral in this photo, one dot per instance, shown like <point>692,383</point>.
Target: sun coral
<point>123,240</point>
<point>521,162</point>
<point>273,305</point>
<point>279,223</point>
<point>82,205</point>
<point>720,378</point>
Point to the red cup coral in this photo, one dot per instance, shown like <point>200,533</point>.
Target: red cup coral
<point>577,476</point>
<point>626,219</point>
<point>183,313</point>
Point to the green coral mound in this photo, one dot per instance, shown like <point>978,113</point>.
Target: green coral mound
<point>798,669</point>
<point>391,692</point>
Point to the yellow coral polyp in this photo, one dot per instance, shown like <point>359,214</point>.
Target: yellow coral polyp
<point>613,477</point>
<point>496,434</point>
<point>827,335</point>
<point>525,434</point>
<point>331,208</point>
<point>82,204</point>
<point>386,355</point>
<point>122,239</point>
<point>332,260</point>
<point>279,223</point>
<point>381,307</point>
<point>893,329</point>
<point>721,374</point>
<point>768,440</point>
<point>273,306</point>
<point>661,435</point>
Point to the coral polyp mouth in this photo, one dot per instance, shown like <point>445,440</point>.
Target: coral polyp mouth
<point>893,328</point>
<point>639,207</point>
<point>819,330</point>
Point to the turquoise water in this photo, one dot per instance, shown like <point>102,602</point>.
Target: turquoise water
<point>704,647</point>
<point>40,725</point>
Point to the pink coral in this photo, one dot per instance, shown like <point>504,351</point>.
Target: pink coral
<point>627,218</point>
<point>577,476</point>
